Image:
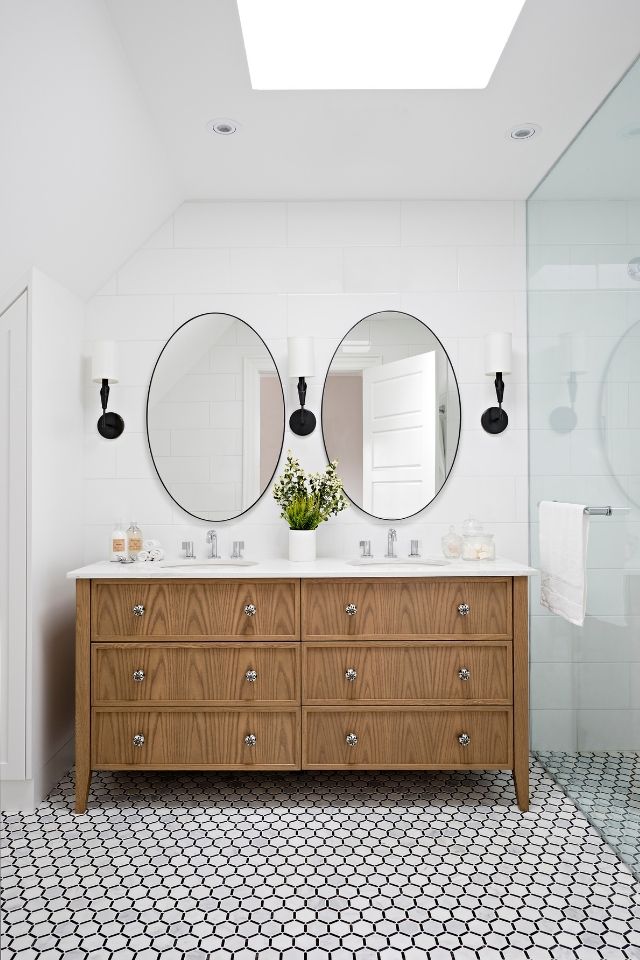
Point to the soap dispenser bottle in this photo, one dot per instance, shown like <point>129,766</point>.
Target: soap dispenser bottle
<point>134,538</point>
<point>119,543</point>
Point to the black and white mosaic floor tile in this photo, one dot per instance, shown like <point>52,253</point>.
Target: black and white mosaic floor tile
<point>606,787</point>
<point>313,866</point>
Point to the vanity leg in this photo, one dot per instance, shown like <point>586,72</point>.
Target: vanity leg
<point>83,695</point>
<point>83,783</point>
<point>521,691</point>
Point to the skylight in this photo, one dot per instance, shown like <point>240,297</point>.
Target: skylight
<point>375,44</point>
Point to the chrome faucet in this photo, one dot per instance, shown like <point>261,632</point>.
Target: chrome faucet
<point>238,547</point>
<point>392,536</point>
<point>212,538</point>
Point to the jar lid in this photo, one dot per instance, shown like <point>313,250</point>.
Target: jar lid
<point>471,527</point>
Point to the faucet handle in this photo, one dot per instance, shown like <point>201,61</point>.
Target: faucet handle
<point>365,548</point>
<point>415,552</point>
<point>187,546</point>
<point>238,547</point>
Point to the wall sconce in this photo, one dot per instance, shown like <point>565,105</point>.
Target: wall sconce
<point>497,360</point>
<point>104,371</point>
<point>301,366</point>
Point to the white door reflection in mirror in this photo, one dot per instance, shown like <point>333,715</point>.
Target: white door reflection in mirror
<point>391,414</point>
<point>399,434</point>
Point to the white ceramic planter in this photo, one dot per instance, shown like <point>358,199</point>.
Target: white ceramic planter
<point>302,545</point>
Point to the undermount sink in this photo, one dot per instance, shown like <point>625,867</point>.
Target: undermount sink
<point>398,562</point>
<point>207,564</point>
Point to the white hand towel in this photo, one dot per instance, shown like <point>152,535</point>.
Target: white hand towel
<point>564,531</point>
<point>142,556</point>
<point>157,553</point>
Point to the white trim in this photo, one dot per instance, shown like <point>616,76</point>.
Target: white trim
<point>252,368</point>
<point>345,363</point>
<point>17,762</point>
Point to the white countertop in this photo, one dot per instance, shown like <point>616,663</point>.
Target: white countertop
<point>325,567</point>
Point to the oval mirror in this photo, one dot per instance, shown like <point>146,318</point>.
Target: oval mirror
<point>619,406</point>
<point>215,416</point>
<point>391,414</point>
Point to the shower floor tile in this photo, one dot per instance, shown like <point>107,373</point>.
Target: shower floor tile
<point>606,787</point>
<point>315,866</point>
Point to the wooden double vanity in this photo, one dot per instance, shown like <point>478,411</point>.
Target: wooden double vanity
<point>328,669</point>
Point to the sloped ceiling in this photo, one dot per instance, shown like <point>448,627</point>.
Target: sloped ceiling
<point>561,60</point>
<point>105,106</point>
<point>84,178</point>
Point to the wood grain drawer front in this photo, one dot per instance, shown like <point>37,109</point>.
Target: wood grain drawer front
<point>198,739</point>
<point>452,671</point>
<point>407,737</point>
<point>407,608</point>
<point>192,609</point>
<point>201,672</point>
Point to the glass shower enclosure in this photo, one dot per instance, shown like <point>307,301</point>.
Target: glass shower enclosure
<point>583,250</point>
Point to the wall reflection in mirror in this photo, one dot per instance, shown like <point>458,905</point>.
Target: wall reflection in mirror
<point>391,414</point>
<point>215,416</point>
<point>620,413</point>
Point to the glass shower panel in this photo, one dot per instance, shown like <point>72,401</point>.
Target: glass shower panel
<point>583,236</point>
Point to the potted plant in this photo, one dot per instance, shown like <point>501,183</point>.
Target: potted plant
<point>306,501</point>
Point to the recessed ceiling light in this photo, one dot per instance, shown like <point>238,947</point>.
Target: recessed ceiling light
<point>224,127</point>
<point>374,44</point>
<point>524,131</point>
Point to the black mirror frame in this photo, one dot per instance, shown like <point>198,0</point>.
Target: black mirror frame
<point>219,313</point>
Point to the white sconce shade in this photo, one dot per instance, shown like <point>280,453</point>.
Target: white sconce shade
<point>301,357</point>
<point>497,353</point>
<point>104,363</point>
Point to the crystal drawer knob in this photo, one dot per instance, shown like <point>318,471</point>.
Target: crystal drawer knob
<point>464,739</point>
<point>351,739</point>
<point>251,739</point>
<point>138,676</point>
<point>351,609</point>
<point>350,674</point>
<point>463,609</point>
<point>250,609</point>
<point>251,676</point>
<point>138,740</point>
<point>138,610</point>
<point>464,673</point>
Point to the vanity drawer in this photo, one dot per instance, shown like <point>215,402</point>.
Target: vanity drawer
<point>407,608</point>
<point>195,609</point>
<point>407,737</point>
<point>198,739</point>
<point>204,672</point>
<point>414,671</point>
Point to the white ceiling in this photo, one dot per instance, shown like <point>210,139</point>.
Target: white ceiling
<point>560,62</point>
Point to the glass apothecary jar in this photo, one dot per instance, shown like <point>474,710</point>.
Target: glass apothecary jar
<point>478,546</point>
<point>452,545</point>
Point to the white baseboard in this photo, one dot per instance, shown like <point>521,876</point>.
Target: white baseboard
<point>16,796</point>
<point>24,795</point>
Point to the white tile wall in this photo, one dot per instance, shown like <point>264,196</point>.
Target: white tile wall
<point>315,269</point>
<point>583,686</point>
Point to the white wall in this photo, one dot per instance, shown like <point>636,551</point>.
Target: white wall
<point>315,269</point>
<point>83,176</point>
<point>585,681</point>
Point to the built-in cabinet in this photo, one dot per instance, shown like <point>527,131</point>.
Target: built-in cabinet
<point>287,674</point>
<point>41,443</point>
